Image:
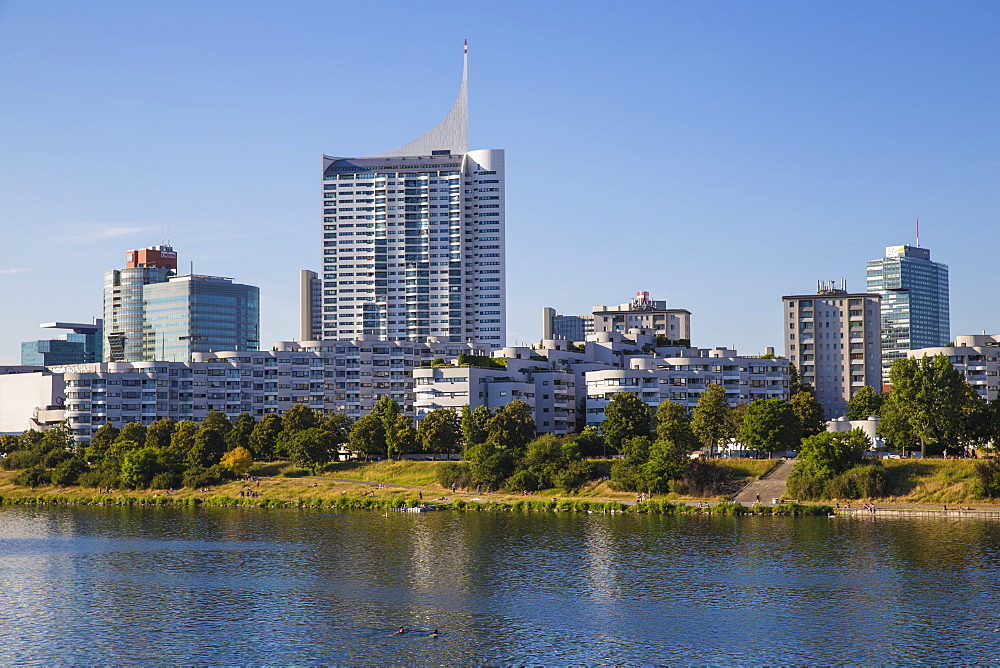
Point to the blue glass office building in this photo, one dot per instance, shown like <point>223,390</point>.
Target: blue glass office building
<point>82,346</point>
<point>915,310</point>
<point>199,314</point>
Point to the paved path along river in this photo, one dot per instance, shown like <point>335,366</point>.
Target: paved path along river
<point>770,488</point>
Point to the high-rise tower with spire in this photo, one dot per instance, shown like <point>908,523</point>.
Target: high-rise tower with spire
<point>413,239</point>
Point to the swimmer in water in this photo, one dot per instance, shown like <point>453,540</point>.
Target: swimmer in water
<point>435,634</point>
<point>400,632</point>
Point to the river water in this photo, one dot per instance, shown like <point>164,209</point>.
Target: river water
<point>264,586</point>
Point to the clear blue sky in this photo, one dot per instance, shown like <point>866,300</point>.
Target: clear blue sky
<point>717,154</point>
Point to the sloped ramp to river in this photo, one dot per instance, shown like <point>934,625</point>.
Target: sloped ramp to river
<point>771,487</point>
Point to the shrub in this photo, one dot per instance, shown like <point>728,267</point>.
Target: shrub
<point>986,481</point>
<point>865,481</point>
<point>19,459</point>
<point>454,473</point>
<point>807,484</point>
<point>165,480</point>
<point>69,471</point>
<point>32,477</point>
<point>701,479</point>
<point>197,476</point>
<point>54,457</point>
<point>522,481</point>
<point>574,476</point>
<point>97,478</point>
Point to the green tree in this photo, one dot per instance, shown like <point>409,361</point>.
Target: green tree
<point>629,474</point>
<point>407,440</point>
<point>239,435</point>
<point>101,441</point>
<point>490,464</point>
<point>809,412</point>
<point>626,416</point>
<point>930,404</point>
<point>544,458</point>
<point>209,446</point>
<point>217,420</point>
<point>159,433</point>
<point>264,437</point>
<point>338,423</point>
<point>59,437</point>
<point>711,419</point>
<point>825,456</point>
<point>440,432</point>
<point>474,424</point>
<point>673,425</point>
<point>114,458</point>
<point>591,443</point>
<point>139,466</point>
<point>9,443</point>
<point>69,471</point>
<point>313,447</point>
<point>134,432</point>
<point>182,440</point>
<point>387,410</point>
<point>299,418</point>
<point>665,464</point>
<point>794,383</point>
<point>770,425</point>
<point>865,403</point>
<point>832,453</point>
<point>367,437</point>
<point>511,427</point>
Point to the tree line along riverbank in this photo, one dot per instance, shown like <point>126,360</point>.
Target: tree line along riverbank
<point>393,484</point>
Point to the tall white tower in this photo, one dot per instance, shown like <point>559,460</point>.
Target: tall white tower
<point>413,239</point>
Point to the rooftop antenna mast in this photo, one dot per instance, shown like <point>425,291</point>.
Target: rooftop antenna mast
<point>918,232</point>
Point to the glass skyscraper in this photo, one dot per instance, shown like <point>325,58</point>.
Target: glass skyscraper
<point>915,311</point>
<point>413,239</point>
<point>123,309</point>
<point>199,314</point>
<point>150,313</point>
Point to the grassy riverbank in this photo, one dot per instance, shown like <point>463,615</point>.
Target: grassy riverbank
<point>389,484</point>
<point>933,481</point>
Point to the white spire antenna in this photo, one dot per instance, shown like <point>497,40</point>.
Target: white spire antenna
<point>450,134</point>
<point>918,232</point>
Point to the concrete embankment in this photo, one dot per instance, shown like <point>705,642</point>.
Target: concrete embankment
<point>941,512</point>
<point>771,487</point>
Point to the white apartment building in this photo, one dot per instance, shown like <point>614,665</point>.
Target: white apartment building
<point>343,376</point>
<point>834,340</point>
<point>557,382</point>
<point>548,387</point>
<point>977,356</point>
<point>681,375</point>
<point>413,240</point>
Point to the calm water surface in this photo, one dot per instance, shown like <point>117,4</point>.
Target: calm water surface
<point>231,586</point>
